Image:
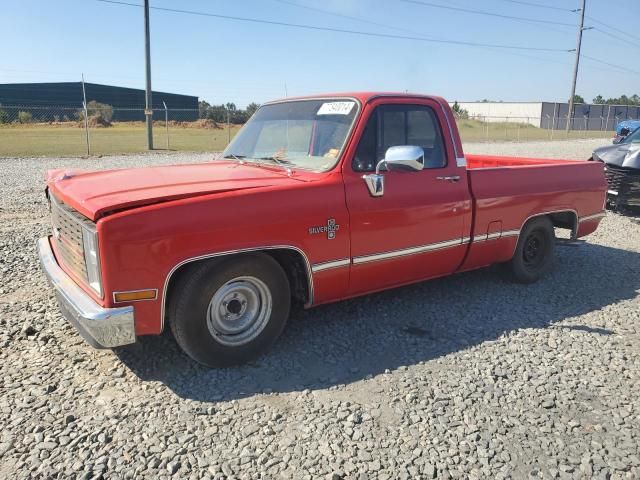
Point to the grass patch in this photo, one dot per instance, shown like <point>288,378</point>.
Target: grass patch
<point>63,141</point>
<point>477,131</point>
<point>68,139</point>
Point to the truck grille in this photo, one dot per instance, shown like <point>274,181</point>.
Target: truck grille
<point>67,237</point>
<point>626,183</point>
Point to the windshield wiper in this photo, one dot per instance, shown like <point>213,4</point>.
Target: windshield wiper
<point>277,160</point>
<point>235,157</point>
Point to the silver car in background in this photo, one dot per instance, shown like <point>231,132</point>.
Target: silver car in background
<point>622,168</point>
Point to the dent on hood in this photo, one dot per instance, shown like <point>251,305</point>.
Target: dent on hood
<point>627,156</point>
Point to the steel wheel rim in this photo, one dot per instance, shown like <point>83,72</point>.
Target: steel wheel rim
<point>534,250</point>
<point>239,311</point>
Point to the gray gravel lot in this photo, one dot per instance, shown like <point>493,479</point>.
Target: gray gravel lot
<point>464,377</point>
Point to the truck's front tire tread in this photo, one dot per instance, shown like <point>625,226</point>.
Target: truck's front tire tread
<point>189,302</point>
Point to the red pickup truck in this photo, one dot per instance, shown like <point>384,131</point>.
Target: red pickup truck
<point>317,199</point>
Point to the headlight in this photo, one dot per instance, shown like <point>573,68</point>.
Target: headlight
<point>92,259</point>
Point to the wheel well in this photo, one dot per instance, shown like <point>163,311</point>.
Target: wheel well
<point>297,270</point>
<point>293,262</point>
<point>567,220</point>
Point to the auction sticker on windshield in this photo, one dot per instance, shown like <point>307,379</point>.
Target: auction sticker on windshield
<point>335,108</point>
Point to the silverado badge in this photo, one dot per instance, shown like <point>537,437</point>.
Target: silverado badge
<point>331,228</point>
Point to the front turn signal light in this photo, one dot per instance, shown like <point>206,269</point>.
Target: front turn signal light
<point>135,295</point>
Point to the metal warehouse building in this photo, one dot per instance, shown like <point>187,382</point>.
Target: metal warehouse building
<point>128,103</point>
<point>550,115</point>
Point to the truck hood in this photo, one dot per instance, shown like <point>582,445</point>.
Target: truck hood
<point>623,155</point>
<point>94,193</point>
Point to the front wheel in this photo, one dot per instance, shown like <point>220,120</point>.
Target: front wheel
<point>533,258</point>
<point>229,311</point>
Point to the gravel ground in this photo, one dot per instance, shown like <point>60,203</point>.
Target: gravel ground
<point>569,149</point>
<point>464,377</point>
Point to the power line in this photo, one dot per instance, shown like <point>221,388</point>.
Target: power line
<point>377,24</point>
<point>620,67</point>
<point>608,34</point>
<point>337,30</point>
<point>539,5</point>
<point>483,12</point>
<point>612,28</point>
<point>341,15</point>
<point>400,29</point>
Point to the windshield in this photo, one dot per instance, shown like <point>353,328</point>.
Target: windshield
<point>308,134</point>
<point>633,137</point>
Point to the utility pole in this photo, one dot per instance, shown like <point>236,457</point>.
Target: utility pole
<point>86,115</point>
<point>148,103</point>
<point>575,69</point>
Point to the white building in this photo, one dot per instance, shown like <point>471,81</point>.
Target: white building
<point>514,112</point>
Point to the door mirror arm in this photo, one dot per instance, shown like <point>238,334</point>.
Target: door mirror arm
<point>404,157</point>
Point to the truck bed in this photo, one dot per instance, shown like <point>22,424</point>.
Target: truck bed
<point>507,191</point>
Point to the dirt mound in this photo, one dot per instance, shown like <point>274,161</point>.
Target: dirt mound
<point>97,122</point>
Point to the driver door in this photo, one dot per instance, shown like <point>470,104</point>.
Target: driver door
<point>416,229</point>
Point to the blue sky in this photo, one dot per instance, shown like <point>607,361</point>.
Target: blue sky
<point>222,60</point>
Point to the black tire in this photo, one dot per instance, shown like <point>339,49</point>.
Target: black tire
<point>533,258</point>
<point>198,289</point>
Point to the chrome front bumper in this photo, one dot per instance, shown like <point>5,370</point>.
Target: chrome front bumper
<point>100,327</point>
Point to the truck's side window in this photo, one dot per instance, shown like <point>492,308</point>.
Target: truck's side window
<point>392,125</point>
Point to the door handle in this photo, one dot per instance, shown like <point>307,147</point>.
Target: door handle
<point>452,179</point>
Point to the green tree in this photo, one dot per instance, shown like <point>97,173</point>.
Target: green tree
<point>599,100</point>
<point>459,112</point>
<point>203,109</point>
<point>578,99</point>
<point>101,113</point>
<point>25,117</point>
<point>251,108</point>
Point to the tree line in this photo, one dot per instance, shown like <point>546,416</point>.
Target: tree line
<point>226,112</point>
<point>633,100</point>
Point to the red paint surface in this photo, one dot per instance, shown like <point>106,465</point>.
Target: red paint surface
<point>150,220</point>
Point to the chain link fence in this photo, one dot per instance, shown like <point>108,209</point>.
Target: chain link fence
<point>479,128</point>
<point>98,129</point>
<point>50,130</point>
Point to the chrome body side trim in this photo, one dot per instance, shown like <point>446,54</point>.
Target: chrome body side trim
<point>407,251</point>
<point>100,327</point>
<point>136,291</point>
<point>510,233</point>
<point>319,267</point>
<point>233,252</point>
<point>593,216</point>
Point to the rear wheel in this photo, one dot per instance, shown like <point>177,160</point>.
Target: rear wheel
<point>229,311</point>
<point>533,258</point>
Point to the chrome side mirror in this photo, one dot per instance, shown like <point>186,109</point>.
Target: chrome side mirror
<point>403,157</point>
